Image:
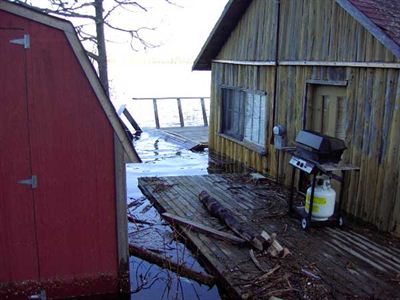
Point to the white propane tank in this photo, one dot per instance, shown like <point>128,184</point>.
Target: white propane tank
<point>324,200</point>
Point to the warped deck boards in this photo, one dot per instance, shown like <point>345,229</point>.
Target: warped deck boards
<point>191,137</point>
<point>325,262</point>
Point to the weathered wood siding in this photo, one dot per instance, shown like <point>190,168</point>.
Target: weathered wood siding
<point>247,77</point>
<point>323,31</point>
<point>372,135</point>
<point>320,31</point>
<point>254,38</point>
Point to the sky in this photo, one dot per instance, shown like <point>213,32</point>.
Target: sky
<point>179,33</point>
<point>180,30</point>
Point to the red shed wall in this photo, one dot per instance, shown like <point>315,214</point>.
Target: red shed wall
<point>72,154</point>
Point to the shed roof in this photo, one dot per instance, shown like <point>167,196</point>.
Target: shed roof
<point>70,33</point>
<point>379,17</point>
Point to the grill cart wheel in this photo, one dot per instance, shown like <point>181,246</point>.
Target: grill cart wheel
<point>304,224</point>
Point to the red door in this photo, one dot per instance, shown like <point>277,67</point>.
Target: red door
<point>18,245</point>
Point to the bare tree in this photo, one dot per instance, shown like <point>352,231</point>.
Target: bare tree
<point>94,12</point>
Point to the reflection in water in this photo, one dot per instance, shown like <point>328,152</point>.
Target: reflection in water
<point>148,281</point>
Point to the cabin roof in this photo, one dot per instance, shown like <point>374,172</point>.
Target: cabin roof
<point>383,13</point>
<point>379,17</point>
<point>36,15</point>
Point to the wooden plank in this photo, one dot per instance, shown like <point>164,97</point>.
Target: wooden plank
<point>169,98</point>
<point>245,63</point>
<point>336,247</point>
<point>354,64</point>
<point>132,121</point>
<point>214,255</point>
<point>327,82</point>
<point>122,223</point>
<point>203,229</point>
<point>179,268</point>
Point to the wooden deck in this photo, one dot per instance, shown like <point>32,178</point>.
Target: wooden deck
<point>325,262</point>
<point>193,138</point>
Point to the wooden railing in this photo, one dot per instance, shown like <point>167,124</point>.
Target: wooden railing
<point>179,104</point>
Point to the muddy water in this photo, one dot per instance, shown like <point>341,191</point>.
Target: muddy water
<point>148,281</point>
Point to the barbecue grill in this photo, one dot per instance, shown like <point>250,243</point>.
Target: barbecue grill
<point>319,147</point>
<point>316,153</point>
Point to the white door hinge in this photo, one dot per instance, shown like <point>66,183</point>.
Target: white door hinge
<point>25,41</point>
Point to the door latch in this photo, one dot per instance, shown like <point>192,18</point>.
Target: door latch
<point>33,182</point>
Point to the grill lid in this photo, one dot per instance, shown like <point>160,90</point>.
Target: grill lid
<point>319,142</point>
<point>318,147</point>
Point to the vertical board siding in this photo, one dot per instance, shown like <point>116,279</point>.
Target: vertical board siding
<point>254,37</point>
<point>318,30</point>
<point>247,77</point>
<point>71,144</point>
<point>373,144</point>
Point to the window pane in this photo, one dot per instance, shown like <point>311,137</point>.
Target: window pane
<point>255,118</point>
<point>232,110</point>
<point>248,119</point>
<point>244,115</point>
<point>263,120</point>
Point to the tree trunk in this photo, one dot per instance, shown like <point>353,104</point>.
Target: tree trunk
<point>219,211</point>
<point>101,46</point>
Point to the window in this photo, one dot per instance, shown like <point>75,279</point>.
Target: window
<point>244,115</point>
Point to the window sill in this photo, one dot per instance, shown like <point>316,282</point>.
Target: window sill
<point>260,150</point>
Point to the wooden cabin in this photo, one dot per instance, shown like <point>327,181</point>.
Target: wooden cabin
<point>63,228</point>
<point>330,66</point>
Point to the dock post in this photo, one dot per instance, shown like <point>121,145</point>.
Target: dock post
<point>156,113</point>
<point>178,100</point>
<point>203,110</point>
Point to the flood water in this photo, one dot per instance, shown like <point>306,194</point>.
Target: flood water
<point>148,281</point>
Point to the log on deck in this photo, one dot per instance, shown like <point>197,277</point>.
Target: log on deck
<point>325,262</point>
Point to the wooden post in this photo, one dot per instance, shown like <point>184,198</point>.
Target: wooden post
<point>178,100</point>
<point>156,113</point>
<point>203,110</point>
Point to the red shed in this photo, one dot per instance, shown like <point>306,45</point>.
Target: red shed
<point>63,150</point>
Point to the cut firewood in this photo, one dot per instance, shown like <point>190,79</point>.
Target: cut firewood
<point>166,263</point>
<point>219,211</point>
<point>274,248</point>
<point>203,229</point>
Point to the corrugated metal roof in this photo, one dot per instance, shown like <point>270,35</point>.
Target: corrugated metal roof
<point>383,13</point>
